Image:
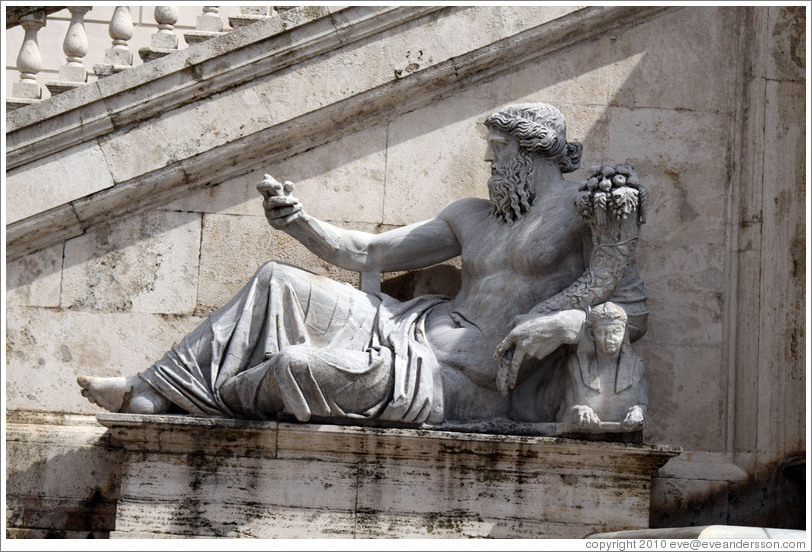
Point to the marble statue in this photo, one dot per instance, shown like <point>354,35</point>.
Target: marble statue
<point>536,257</point>
<point>605,380</point>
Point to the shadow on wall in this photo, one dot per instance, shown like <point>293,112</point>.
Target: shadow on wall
<point>68,495</point>
<point>774,496</point>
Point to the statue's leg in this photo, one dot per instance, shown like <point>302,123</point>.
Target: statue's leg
<point>465,400</point>
<point>539,396</point>
<point>280,306</point>
<point>307,381</point>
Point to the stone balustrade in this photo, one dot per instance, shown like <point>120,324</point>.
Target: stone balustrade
<point>158,27</point>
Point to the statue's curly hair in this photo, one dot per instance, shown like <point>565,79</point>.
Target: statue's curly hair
<point>540,128</point>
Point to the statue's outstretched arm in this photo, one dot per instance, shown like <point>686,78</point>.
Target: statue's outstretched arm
<point>414,246</point>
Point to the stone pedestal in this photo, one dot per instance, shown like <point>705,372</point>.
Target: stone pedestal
<point>188,476</point>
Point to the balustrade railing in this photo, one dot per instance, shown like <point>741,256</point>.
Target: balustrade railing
<point>75,46</point>
<point>126,30</point>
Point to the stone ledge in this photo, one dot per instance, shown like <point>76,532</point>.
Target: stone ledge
<point>182,433</point>
<point>143,91</point>
<point>194,476</point>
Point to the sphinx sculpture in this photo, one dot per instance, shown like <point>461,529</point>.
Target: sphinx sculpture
<point>536,258</point>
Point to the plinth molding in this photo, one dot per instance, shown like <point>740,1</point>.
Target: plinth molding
<point>188,476</point>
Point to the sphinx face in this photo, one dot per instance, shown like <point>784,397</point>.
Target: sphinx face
<point>608,337</point>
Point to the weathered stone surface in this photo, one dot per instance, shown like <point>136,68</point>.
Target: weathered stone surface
<point>785,283</point>
<point>62,474</point>
<point>74,112</point>
<point>636,67</point>
<point>707,486</point>
<point>445,526</point>
<point>145,263</point>
<point>253,242</point>
<point>35,280</point>
<point>684,168</point>
<point>686,375</point>
<point>683,279</point>
<point>48,349</point>
<point>34,189</point>
<point>786,59</point>
<point>349,192</point>
<point>368,483</point>
<point>225,239</point>
<point>422,178</point>
<point>272,99</point>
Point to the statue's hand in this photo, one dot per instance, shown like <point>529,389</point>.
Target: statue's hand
<point>281,207</point>
<point>527,338</point>
<point>535,336</point>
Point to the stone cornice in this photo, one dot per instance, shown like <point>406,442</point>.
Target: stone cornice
<point>275,439</point>
<point>186,76</point>
<point>36,132</point>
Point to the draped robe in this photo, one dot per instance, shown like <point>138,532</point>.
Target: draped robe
<point>323,347</point>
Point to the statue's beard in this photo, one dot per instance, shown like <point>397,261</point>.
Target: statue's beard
<point>511,188</point>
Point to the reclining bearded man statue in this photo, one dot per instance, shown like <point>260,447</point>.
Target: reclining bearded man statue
<point>294,343</point>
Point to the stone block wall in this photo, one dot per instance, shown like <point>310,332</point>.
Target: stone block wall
<point>707,103</point>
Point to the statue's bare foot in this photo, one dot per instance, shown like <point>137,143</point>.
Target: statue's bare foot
<point>112,394</point>
<point>120,394</point>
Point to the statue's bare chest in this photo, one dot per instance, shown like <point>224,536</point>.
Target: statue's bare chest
<point>536,245</point>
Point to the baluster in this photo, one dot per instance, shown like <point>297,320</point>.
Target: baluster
<point>164,41</point>
<point>118,57</point>
<point>208,26</point>
<point>248,15</point>
<point>73,73</point>
<point>29,62</point>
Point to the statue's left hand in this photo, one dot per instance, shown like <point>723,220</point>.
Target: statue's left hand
<point>535,336</point>
<point>521,342</point>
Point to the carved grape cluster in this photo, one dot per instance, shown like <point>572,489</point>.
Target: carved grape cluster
<point>611,190</point>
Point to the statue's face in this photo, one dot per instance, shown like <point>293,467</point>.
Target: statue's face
<point>608,336</point>
<point>502,147</point>
<point>511,183</point>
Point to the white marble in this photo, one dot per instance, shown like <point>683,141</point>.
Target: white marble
<point>34,189</point>
<point>280,480</point>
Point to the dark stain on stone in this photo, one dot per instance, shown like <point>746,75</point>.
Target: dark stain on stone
<point>65,354</point>
<point>798,255</point>
<point>789,34</point>
<point>773,496</point>
<point>687,212</point>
